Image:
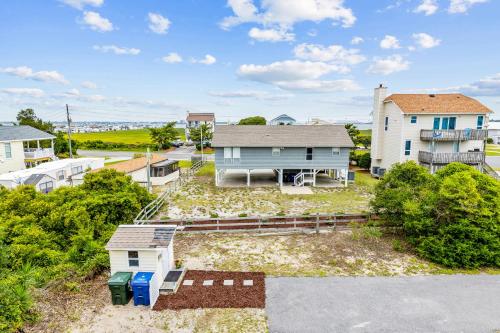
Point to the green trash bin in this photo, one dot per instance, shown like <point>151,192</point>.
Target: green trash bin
<point>119,285</point>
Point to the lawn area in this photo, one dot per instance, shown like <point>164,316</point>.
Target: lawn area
<point>201,198</point>
<point>138,136</point>
<point>492,150</point>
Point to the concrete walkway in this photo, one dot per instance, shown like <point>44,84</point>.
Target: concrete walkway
<point>454,303</point>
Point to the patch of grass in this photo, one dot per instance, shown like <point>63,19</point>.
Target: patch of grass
<point>136,136</point>
<point>113,162</point>
<point>206,151</point>
<point>363,178</point>
<point>185,164</point>
<point>492,150</point>
<point>207,170</point>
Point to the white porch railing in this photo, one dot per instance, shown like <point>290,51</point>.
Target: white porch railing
<point>38,153</point>
<point>303,177</point>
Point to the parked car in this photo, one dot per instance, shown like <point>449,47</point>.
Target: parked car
<point>177,143</point>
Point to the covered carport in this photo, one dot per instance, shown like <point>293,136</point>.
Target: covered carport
<point>246,177</point>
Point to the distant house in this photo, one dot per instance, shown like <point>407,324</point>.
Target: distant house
<point>51,175</point>
<point>494,131</point>
<point>144,248</point>
<point>283,119</point>
<point>194,120</point>
<point>296,154</point>
<point>162,170</point>
<point>20,147</point>
<point>431,129</point>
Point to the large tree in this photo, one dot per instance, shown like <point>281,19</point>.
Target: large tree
<point>353,132</point>
<point>164,135</point>
<point>256,120</point>
<point>28,117</point>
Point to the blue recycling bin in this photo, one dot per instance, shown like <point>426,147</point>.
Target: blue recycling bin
<point>140,287</point>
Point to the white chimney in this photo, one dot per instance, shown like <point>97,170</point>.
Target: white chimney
<point>379,94</point>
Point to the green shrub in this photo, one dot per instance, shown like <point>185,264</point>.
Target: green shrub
<point>214,215</point>
<point>243,215</point>
<point>452,217</point>
<point>397,245</point>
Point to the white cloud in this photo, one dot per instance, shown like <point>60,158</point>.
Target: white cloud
<point>389,42</point>
<point>116,49</point>
<point>77,95</point>
<point>489,86</point>
<point>89,85</point>
<point>462,6</point>
<point>286,13</point>
<point>391,64</point>
<point>31,92</point>
<point>28,73</point>
<point>172,58</point>
<point>426,41</point>
<point>96,22</point>
<point>271,35</point>
<point>208,60</point>
<point>334,53</point>
<point>158,23</point>
<point>357,40</point>
<point>259,95</point>
<point>428,7</point>
<point>80,4</point>
<point>296,75</point>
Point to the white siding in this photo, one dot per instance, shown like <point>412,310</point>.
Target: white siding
<point>16,161</point>
<point>148,261</point>
<point>391,140</point>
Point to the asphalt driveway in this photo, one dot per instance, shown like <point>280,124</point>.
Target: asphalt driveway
<point>451,303</point>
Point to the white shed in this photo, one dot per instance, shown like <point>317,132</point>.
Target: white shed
<point>143,248</point>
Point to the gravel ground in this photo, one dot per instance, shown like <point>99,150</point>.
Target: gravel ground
<point>455,303</point>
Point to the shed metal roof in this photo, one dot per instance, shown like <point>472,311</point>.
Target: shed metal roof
<point>23,133</point>
<point>35,179</point>
<point>141,237</point>
<point>281,136</point>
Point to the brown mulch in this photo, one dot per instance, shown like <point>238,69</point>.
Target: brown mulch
<point>217,295</point>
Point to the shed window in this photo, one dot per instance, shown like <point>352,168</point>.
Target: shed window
<point>276,151</point>
<point>386,123</point>
<point>335,151</point>
<point>413,119</point>
<point>46,187</point>
<point>133,259</point>
<point>480,121</point>
<point>309,154</point>
<point>8,150</point>
<point>407,147</point>
<point>60,175</point>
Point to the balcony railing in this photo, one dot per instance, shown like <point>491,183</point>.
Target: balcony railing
<point>471,157</point>
<point>453,135</point>
<point>38,153</point>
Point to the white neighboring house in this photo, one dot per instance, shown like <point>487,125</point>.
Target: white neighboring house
<point>431,129</point>
<point>51,175</point>
<point>143,248</point>
<point>13,155</point>
<point>282,119</point>
<point>494,131</point>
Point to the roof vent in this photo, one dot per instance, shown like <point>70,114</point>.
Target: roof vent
<point>432,95</point>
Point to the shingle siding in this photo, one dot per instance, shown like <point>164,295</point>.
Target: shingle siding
<point>290,158</point>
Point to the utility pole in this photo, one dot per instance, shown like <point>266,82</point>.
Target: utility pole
<point>148,170</point>
<point>69,131</point>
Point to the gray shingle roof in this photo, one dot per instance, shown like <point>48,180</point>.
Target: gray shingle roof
<point>141,237</point>
<point>281,136</point>
<point>23,133</point>
<point>35,178</point>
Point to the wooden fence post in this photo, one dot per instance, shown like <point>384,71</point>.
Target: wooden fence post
<point>317,223</point>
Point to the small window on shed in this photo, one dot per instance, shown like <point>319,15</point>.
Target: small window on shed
<point>335,151</point>
<point>133,259</point>
<point>413,119</point>
<point>276,151</point>
<point>309,154</point>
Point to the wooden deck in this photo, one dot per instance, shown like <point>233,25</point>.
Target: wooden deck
<point>475,157</point>
<point>453,135</point>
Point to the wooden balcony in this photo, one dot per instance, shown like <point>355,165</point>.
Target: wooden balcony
<point>453,135</point>
<point>471,157</point>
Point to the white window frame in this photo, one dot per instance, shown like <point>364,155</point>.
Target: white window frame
<point>46,186</point>
<point>59,174</point>
<point>228,154</point>
<point>78,168</point>
<point>335,151</point>
<point>236,154</point>
<point>133,259</point>
<point>276,151</point>
<point>8,151</point>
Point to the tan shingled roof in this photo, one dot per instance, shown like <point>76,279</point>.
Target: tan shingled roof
<point>132,237</point>
<point>437,103</point>
<point>200,117</point>
<point>133,164</point>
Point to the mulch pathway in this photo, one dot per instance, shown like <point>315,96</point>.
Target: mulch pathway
<point>217,295</point>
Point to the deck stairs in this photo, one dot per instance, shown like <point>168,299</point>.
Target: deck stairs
<point>303,178</point>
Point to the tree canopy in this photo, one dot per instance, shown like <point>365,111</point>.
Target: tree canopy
<point>28,117</point>
<point>59,236</point>
<point>452,217</point>
<point>256,120</point>
<point>164,135</point>
<point>195,133</point>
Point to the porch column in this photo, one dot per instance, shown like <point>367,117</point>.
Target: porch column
<point>216,177</point>
<point>346,176</point>
<point>248,177</point>
<point>314,177</point>
<point>280,179</point>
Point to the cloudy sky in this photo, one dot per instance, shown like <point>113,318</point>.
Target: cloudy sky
<point>153,60</point>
